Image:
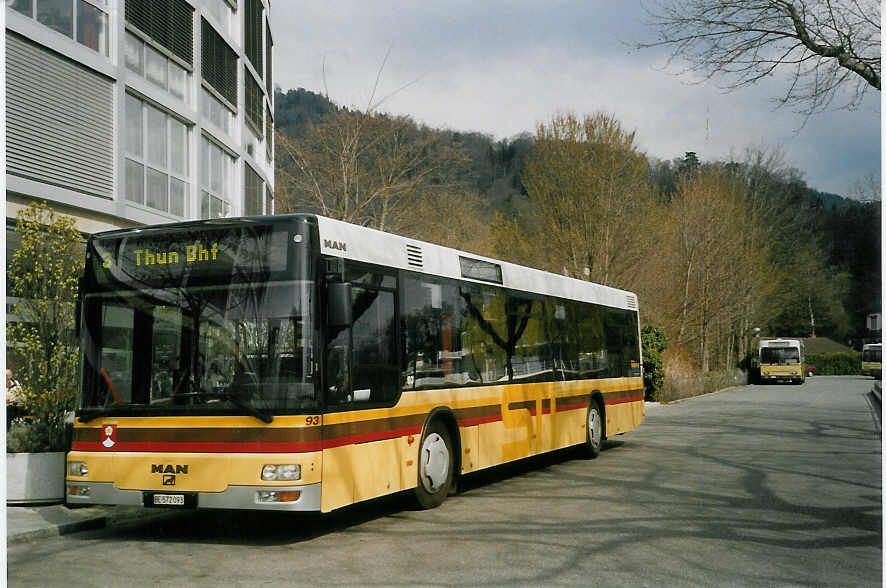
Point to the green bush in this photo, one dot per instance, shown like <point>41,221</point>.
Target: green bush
<point>42,275</point>
<point>654,343</point>
<point>27,435</point>
<point>835,364</point>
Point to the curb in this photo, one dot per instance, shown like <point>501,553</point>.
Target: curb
<point>28,524</point>
<point>86,521</point>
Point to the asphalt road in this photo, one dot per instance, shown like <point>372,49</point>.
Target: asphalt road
<point>752,486</point>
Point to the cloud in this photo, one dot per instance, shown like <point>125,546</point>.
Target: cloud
<point>503,67</point>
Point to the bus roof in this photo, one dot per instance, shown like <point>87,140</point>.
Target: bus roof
<point>358,243</point>
<point>871,346</point>
<point>781,343</point>
<point>349,241</point>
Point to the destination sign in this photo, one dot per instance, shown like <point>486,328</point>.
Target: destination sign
<point>209,254</point>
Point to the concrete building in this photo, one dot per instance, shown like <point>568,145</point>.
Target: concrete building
<point>122,113</point>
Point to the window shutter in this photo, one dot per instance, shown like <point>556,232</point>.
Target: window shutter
<point>253,197</point>
<point>253,34</point>
<point>59,120</point>
<point>219,63</point>
<point>253,103</point>
<point>269,45</point>
<point>168,22</point>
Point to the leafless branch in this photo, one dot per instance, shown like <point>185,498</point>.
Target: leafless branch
<point>830,48</point>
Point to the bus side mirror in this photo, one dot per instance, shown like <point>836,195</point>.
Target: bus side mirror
<point>339,305</point>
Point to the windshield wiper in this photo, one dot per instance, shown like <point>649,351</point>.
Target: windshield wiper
<point>234,399</point>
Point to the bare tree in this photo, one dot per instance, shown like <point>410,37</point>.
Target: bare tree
<point>585,180</point>
<point>364,168</point>
<point>828,46</point>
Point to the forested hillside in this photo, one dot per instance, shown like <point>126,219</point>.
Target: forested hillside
<point>713,248</point>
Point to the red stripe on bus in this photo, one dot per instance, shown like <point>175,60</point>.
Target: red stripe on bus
<point>246,447</point>
<point>624,399</point>
<point>200,447</point>
<point>575,406</point>
<point>546,410</point>
<point>482,420</point>
<point>369,437</point>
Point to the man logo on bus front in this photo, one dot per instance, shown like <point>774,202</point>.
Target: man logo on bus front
<point>110,432</point>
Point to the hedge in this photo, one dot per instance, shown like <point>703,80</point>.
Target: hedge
<point>835,364</point>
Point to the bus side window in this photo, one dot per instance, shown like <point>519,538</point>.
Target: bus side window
<point>375,370</point>
<point>361,359</point>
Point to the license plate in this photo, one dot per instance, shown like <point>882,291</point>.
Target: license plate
<point>169,499</point>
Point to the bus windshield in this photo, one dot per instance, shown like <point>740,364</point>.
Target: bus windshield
<point>201,319</point>
<point>872,354</point>
<point>779,355</point>
<point>213,348</point>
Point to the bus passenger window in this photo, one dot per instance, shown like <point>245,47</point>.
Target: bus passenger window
<point>375,359</point>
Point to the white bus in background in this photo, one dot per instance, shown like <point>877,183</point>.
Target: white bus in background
<point>781,360</point>
<point>871,356</point>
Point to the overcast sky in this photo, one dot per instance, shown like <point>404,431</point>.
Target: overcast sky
<point>502,67</point>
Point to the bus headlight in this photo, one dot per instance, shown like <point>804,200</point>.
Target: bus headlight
<point>281,472</point>
<point>78,468</point>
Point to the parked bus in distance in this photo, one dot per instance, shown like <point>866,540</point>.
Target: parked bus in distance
<point>781,360</point>
<point>301,363</point>
<point>871,356</point>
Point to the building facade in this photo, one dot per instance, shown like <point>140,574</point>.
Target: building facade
<point>123,113</point>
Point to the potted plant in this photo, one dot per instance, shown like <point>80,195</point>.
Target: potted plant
<point>42,349</point>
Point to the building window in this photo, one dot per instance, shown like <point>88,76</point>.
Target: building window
<point>269,46</point>
<point>252,201</point>
<point>253,107</point>
<point>57,15</point>
<point>92,27</point>
<point>219,64</point>
<point>168,22</point>
<point>25,7</point>
<point>84,21</point>
<point>216,112</point>
<point>221,11</point>
<point>269,135</point>
<point>253,45</point>
<point>156,158</point>
<point>216,180</point>
<point>147,62</point>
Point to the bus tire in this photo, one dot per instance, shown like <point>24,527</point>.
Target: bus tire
<point>594,430</point>
<point>436,463</point>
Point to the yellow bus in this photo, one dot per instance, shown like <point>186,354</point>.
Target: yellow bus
<point>781,360</point>
<point>871,356</point>
<point>301,363</point>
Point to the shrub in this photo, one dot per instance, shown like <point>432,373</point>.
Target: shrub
<point>41,345</point>
<point>654,343</point>
<point>27,435</point>
<point>835,364</point>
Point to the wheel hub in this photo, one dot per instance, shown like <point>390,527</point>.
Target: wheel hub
<point>595,427</point>
<point>434,465</point>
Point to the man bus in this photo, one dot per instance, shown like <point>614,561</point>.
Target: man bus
<point>871,356</point>
<point>302,363</point>
<point>781,360</point>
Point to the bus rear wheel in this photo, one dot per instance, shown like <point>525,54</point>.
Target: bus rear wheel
<point>435,466</point>
<point>594,437</point>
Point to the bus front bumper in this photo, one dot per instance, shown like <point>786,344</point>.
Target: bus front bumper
<point>234,497</point>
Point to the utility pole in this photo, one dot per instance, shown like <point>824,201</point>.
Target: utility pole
<point>811,316</point>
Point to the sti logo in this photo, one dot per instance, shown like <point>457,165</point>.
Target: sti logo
<point>109,436</point>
